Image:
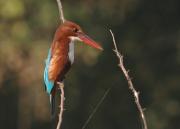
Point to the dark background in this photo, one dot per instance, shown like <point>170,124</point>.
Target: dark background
<point>147,33</point>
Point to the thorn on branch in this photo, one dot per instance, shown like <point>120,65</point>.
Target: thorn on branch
<point>129,80</point>
<point>136,94</point>
<point>121,56</point>
<point>114,50</point>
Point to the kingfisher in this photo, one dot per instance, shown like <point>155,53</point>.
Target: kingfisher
<point>61,56</point>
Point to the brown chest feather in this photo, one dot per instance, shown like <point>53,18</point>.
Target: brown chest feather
<point>59,64</point>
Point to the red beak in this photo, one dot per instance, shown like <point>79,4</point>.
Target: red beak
<point>89,41</point>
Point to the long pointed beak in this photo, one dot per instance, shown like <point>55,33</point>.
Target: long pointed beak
<point>89,41</point>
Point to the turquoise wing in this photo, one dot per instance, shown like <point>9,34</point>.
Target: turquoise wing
<point>48,83</point>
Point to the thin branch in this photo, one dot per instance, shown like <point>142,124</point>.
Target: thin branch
<point>61,87</point>
<point>61,11</point>
<point>130,84</point>
<point>96,108</point>
<point>61,84</point>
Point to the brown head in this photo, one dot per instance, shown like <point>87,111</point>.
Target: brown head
<point>74,32</point>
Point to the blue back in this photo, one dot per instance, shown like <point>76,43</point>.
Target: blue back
<point>48,83</point>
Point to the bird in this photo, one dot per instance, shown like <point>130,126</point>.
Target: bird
<point>61,56</point>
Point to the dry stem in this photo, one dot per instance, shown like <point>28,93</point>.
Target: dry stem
<point>61,87</point>
<point>130,84</point>
<point>96,108</point>
<point>61,11</point>
<point>61,84</point>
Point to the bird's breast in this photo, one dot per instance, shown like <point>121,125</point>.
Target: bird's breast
<point>71,52</point>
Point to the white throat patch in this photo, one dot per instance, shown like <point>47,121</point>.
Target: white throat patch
<point>71,48</point>
<point>71,52</point>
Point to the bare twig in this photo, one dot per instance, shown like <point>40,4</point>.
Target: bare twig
<point>130,84</point>
<point>61,11</point>
<point>61,84</point>
<point>96,108</point>
<point>61,87</point>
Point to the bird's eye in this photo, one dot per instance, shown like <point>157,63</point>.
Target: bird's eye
<point>75,30</point>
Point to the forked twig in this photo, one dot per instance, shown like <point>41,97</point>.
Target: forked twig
<point>130,84</point>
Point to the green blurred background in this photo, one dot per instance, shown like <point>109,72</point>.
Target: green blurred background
<point>148,35</point>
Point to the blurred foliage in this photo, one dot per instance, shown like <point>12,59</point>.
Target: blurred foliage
<point>148,34</point>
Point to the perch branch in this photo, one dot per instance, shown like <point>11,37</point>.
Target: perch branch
<point>61,106</point>
<point>61,84</point>
<point>60,11</point>
<point>130,84</point>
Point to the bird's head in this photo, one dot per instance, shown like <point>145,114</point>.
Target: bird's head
<point>74,32</point>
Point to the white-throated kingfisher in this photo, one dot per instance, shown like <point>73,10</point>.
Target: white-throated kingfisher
<point>61,56</point>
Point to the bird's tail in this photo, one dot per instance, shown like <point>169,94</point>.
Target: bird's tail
<point>53,105</point>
